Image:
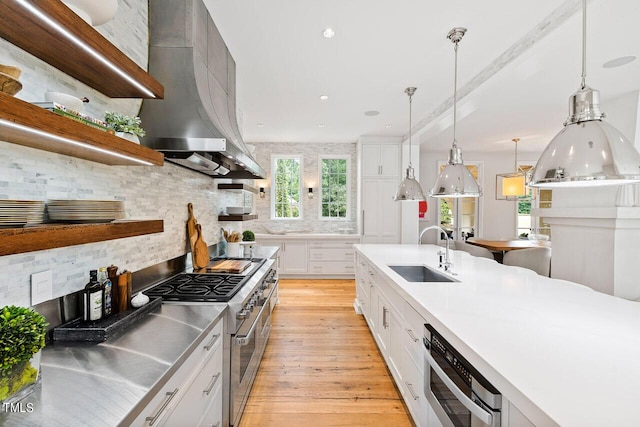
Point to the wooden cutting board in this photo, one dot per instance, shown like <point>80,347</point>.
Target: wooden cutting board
<point>200,252</point>
<point>191,228</point>
<point>229,266</point>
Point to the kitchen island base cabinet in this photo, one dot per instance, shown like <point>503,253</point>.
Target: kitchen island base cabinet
<point>193,394</point>
<point>397,329</point>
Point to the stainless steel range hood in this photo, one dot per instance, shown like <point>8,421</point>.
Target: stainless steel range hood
<point>195,124</point>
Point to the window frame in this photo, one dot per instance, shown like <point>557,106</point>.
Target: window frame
<point>346,157</point>
<point>274,159</point>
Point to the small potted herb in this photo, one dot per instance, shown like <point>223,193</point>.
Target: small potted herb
<point>22,335</point>
<point>124,126</point>
<point>248,239</point>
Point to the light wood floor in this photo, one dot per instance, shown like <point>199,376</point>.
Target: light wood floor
<point>321,366</point>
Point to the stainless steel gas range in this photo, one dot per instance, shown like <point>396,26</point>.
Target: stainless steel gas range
<point>251,297</point>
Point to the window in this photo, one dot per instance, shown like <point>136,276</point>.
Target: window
<point>286,173</point>
<point>334,187</point>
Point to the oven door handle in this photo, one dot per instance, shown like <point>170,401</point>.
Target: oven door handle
<point>473,407</point>
<point>244,339</point>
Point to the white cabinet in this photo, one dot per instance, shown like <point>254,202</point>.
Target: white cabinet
<point>331,256</point>
<point>292,256</point>
<point>380,213</point>
<point>314,255</point>
<point>397,329</point>
<point>379,179</point>
<point>193,394</point>
<point>381,160</point>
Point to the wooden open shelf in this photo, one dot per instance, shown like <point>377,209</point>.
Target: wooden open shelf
<point>246,217</point>
<point>237,187</point>
<point>24,29</point>
<point>42,129</point>
<point>50,236</point>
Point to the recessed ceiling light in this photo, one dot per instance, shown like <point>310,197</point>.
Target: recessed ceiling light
<point>619,62</point>
<point>388,125</point>
<point>371,113</point>
<point>328,33</point>
<point>321,125</point>
<point>324,97</point>
<point>260,125</point>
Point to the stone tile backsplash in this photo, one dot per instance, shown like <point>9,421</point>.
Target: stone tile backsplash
<point>148,192</point>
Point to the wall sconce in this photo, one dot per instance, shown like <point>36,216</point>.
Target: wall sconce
<point>310,194</point>
<point>262,192</point>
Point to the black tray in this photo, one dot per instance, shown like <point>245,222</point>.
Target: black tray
<point>103,329</point>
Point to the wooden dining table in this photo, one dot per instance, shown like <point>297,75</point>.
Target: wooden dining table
<point>508,245</point>
<point>500,247</point>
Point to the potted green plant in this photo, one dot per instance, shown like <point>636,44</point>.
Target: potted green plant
<point>127,127</point>
<point>248,236</point>
<point>248,240</point>
<point>22,335</point>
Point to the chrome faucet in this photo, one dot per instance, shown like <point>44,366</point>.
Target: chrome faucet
<point>447,262</point>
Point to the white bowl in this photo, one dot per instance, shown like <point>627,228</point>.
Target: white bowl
<point>69,101</point>
<point>94,12</point>
<point>236,210</point>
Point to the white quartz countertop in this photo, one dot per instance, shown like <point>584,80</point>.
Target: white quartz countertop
<point>560,352</point>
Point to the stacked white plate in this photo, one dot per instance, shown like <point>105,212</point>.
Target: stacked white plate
<point>16,213</point>
<point>85,210</point>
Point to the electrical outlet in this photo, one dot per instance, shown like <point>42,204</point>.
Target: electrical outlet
<point>41,287</point>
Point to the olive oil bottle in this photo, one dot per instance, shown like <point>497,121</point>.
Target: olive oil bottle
<point>93,298</point>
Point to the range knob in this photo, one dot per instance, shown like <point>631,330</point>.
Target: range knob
<point>242,314</point>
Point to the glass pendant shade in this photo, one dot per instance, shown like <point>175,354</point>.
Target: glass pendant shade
<point>587,154</point>
<point>455,180</point>
<point>409,188</point>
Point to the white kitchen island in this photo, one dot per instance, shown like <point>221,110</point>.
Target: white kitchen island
<point>559,352</point>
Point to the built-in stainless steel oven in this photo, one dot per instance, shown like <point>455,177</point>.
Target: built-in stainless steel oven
<point>459,395</point>
<point>249,342</point>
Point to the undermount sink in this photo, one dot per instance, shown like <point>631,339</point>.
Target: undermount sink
<point>420,273</point>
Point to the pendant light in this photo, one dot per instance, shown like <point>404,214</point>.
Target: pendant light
<point>587,152</point>
<point>455,180</point>
<point>409,188</point>
<point>511,185</point>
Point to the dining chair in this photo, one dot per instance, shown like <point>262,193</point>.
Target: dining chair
<point>474,250</point>
<point>536,259</point>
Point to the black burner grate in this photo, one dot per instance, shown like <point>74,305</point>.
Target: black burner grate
<point>198,287</point>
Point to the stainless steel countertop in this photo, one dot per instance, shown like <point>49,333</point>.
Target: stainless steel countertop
<point>87,384</point>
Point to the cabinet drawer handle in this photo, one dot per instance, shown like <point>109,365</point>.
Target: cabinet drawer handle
<point>413,337</point>
<point>413,393</point>
<point>385,322</point>
<point>213,383</point>
<point>170,395</point>
<point>212,342</point>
